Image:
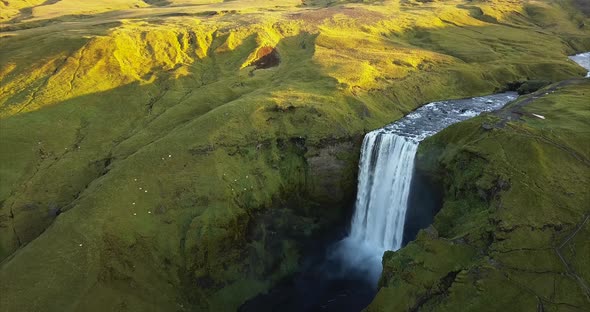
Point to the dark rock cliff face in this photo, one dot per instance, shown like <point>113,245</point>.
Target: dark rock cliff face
<point>511,232</point>
<point>308,211</point>
<point>333,166</point>
<point>424,202</point>
<point>320,185</point>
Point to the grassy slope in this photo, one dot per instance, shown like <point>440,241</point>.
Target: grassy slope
<point>104,107</point>
<point>16,10</point>
<point>512,232</point>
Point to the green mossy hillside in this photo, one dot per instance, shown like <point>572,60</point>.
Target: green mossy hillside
<point>512,233</point>
<point>170,158</point>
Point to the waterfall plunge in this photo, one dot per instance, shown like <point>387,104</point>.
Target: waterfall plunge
<point>385,176</point>
<point>384,185</point>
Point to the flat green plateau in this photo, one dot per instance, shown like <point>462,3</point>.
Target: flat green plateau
<point>178,155</point>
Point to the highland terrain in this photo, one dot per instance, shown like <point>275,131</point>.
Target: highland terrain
<point>181,155</point>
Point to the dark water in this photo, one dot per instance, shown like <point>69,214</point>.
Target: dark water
<point>325,284</point>
<point>320,286</point>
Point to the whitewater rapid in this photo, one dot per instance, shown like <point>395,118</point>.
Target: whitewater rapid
<point>583,59</point>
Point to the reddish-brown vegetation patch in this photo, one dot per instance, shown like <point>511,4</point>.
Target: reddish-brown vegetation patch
<point>266,57</point>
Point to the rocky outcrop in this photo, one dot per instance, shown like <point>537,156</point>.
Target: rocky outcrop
<point>333,166</point>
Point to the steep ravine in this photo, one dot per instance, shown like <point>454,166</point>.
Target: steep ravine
<point>337,276</point>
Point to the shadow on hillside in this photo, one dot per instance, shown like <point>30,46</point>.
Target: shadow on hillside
<point>119,114</point>
<point>103,129</point>
<point>111,126</point>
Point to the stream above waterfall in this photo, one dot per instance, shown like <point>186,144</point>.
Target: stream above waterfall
<point>583,59</point>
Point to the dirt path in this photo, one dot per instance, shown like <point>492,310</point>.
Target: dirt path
<point>514,111</point>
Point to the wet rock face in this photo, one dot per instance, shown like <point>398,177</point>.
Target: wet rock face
<point>424,202</point>
<point>265,243</point>
<point>527,86</point>
<point>532,86</point>
<point>333,171</point>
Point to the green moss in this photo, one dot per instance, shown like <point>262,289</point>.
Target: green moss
<point>97,113</point>
<point>422,268</point>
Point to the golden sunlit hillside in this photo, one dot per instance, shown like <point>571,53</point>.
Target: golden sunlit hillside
<point>189,155</point>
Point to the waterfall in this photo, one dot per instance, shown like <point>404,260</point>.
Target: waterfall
<point>385,175</point>
<point>387,161</point>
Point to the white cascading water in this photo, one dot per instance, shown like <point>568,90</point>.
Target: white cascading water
<point>385,176</point>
